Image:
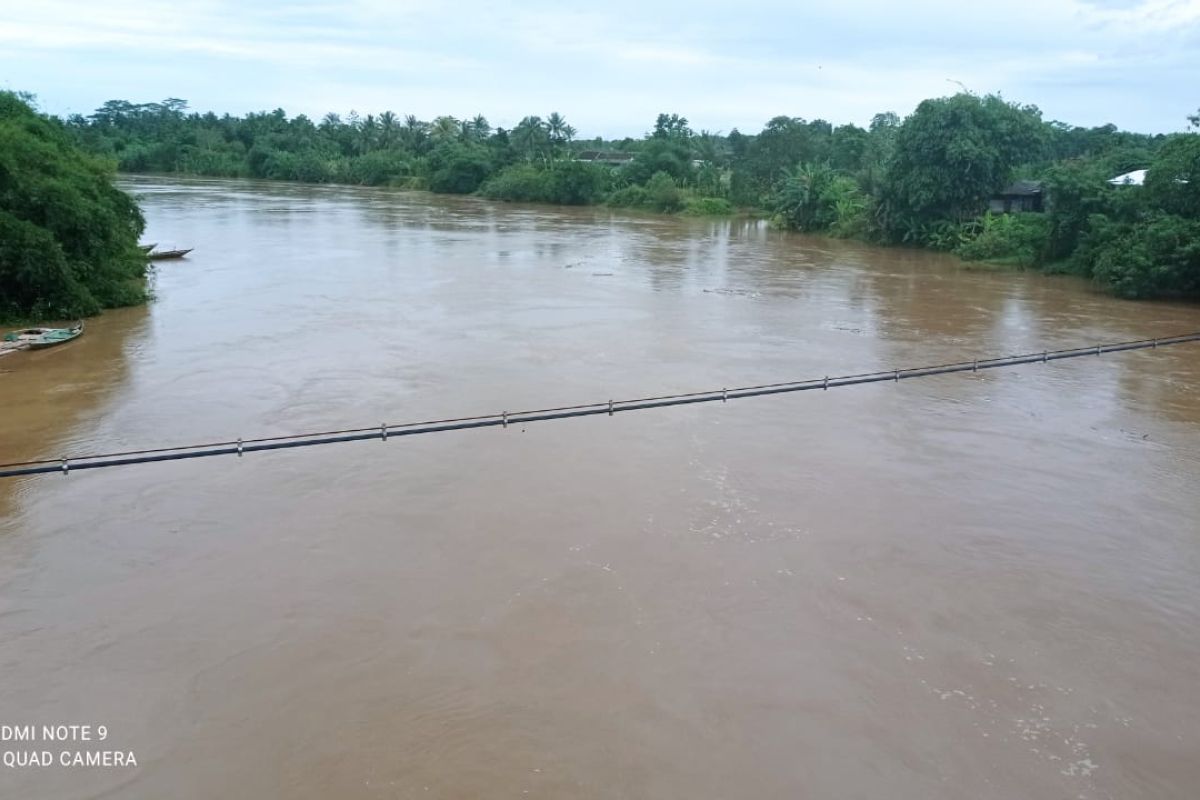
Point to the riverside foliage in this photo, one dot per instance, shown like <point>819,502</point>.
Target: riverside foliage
<point>68,236</point>
<point>922,181</point>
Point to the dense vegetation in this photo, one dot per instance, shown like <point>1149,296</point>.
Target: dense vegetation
<point>925,180</point>
<point>68,237</point>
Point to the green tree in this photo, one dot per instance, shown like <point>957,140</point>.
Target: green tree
<point>479,128</point>
<point>531,138</point>
<point>782,144</point>
<point>458,167</point>
<point>814,197</point>
<point>1158,257</point>
<point>444,129</point>
<point>559,133</point>
<point>1079,190</point>
<point>671,126</point>
<point>389,126</point>
<point>415,134</point>
<point>667,150</point>
<point>950,156</point>
<point>877,152</point>
<point>848,148</point>
<point>1173,179</point>
<point>662,194</point>
<point>68,236</point>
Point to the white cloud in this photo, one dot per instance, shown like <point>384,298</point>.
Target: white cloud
<point>610,68</point>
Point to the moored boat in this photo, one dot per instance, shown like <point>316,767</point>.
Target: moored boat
<point>161,254</point>
<point>146,248</point>
<point>39,338</point>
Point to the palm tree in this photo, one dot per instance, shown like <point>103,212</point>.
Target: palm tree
<point>482,129</point>
<point>414,133</point>
<point>530,135</point>
<point>559,131</point>
<point>388,125</point>
<point>367,134</point>
<point>554,126</point>
<point>711,148</point>
<point>444,129</point>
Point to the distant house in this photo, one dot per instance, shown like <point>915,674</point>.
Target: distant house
<point>613,158</point>
<point>1018,196</point>
<point>1135,178</point>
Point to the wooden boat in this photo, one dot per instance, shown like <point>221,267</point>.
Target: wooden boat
<point>39,338</point>
<point>146,248</point>
<point>161,254</point>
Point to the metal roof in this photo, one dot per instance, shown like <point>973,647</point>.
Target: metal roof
<point>1022,189</point>
<point>1135,178</point>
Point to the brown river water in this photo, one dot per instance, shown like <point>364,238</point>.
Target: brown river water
<point>982,586</point>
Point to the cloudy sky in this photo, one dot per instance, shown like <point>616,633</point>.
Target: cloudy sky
<point>610,67</point>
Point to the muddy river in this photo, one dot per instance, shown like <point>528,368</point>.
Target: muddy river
<point>980,586</point>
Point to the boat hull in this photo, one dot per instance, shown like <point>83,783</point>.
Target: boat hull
<point>165,254</point>
<point>41,338</point>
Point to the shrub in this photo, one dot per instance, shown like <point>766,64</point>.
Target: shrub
<point>413,183</point>
<point>1017,238</point>
<point>662,194</point>
<point>378,168</point>
<point>457,168</point>
<point>707,206</point>
<point>1158,257</point>
<point>814,197</point>
<point>629,197</point>
<point>572,183</point>
<point>851,212</point>
<point>522,183</point>
<point>565,183</point>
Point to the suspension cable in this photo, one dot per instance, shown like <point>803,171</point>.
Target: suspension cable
<point>609,407</point>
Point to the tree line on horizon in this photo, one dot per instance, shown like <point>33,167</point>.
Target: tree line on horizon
<point>924,180</point>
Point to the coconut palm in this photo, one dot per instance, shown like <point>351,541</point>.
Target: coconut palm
<point>559,132</point>
<point>414,133</point>
<point>530,136</point>
<point>388,127</point>
<point>444,129</point>
<point>481,127</point>
<point>368,133</point>
<point>554,126</point>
